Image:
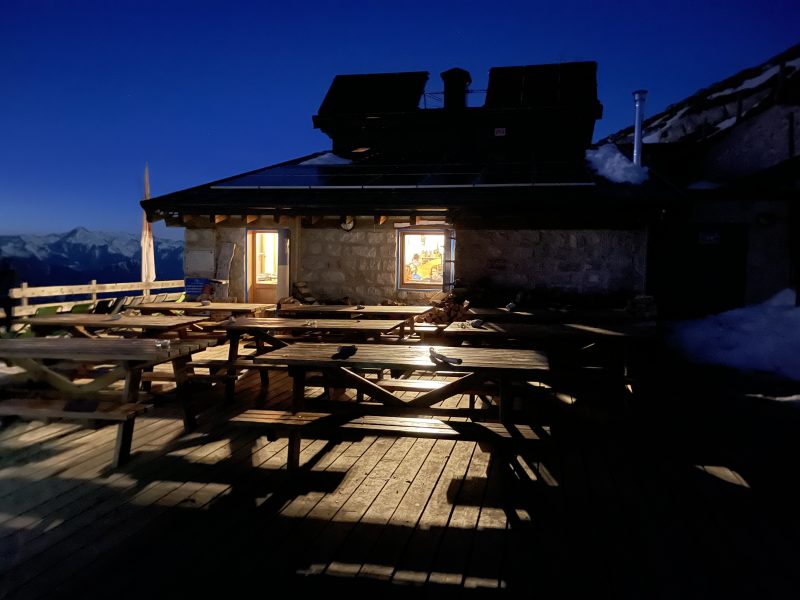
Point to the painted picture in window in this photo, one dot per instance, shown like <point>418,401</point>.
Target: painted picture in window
<point>422,259</point>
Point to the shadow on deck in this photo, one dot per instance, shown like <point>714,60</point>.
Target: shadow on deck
<point>688,493</point>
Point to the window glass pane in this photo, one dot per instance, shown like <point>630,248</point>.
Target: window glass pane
<point>422,256</point>
<point>266,259</point>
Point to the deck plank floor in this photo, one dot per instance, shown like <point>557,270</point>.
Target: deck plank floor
<point>629,506</point>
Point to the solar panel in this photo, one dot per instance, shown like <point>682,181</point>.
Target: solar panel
<point>542,85</point>
<point>374,93</point>
<point>410,175</point>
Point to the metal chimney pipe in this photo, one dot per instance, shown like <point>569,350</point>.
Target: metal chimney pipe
<point>639,97</point>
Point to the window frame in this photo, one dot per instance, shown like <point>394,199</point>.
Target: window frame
<point>446,258</point>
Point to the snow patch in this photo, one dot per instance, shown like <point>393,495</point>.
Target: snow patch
<point>329,158</point>
<point>610,163</point>
<point>726,123</point>
<point>748,84</point>
<point>762,337</point>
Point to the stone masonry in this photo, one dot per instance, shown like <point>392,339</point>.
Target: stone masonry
<point>582,261</point>
<point>360,264</point>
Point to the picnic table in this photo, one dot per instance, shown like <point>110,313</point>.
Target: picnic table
<point>479,365</point>
<point>83,323</point>
<point>549,315</point>
<point>546,332</point>
<point>352,311</point>
<point>87,394</point>
<point>617,342</point>
<point>198,308</point>
<point>264,330</point>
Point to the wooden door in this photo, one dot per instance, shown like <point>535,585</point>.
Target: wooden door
<point>262,262</point>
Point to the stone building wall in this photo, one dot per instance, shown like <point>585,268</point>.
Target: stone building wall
<point>201,249</point>
<point>580,261</point>
<point>360,264</point>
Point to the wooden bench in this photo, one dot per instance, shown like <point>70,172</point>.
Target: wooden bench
<point>295,426</point>
<point>228,372</point>
<point>100,410</point>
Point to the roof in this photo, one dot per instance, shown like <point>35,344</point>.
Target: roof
<point>520,154</point>
<point>720,106</point>
<point>324,184</point>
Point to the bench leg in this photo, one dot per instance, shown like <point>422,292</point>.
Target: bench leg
<point>122,448</point>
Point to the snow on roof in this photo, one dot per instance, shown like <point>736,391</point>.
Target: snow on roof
<point>761,337</point>
<point>328,158</point>
<point>610,163</point>
<point>721,105</point>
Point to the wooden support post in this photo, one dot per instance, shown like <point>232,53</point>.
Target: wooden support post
<point>24,288</point>
<point>93,283</point>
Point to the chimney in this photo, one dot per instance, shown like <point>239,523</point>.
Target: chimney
<point>639,96</point>
<point>456,82</point>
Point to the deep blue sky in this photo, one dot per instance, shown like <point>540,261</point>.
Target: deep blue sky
<point>202,90</point>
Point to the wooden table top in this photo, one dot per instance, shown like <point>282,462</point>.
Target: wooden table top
<point>549,331</point>
<point>369,309</point>
<point>375,325</point>
<point>409,357</point>
<point>552,315</point>
<point>96,350</point>
<point>197,307</point>
<point>107,322</point>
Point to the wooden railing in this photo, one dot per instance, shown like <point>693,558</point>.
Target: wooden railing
<point>23,293</point>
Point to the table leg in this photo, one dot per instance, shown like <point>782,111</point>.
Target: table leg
<point>233,354</point>
<point>133,380</point>
<point>298,388</point>
<point>293,458</point>
<point>506,400</point>
<point>180,369</point>
<point>298,402</point>
<point>122,448</point>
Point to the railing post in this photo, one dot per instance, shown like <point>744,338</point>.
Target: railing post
<point>24,290</point>
<point>93,283</point>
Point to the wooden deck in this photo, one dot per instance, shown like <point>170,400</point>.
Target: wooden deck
<point>651,503</point>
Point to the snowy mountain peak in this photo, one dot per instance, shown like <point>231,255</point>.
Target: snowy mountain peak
<point>81,254</point>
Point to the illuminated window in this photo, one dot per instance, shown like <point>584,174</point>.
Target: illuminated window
<point>266,257</point>
<point>422,259</point>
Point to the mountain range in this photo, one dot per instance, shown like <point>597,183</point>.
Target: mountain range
<point>80,255</point>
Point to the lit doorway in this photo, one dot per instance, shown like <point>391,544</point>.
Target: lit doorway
<point>263,270</point>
